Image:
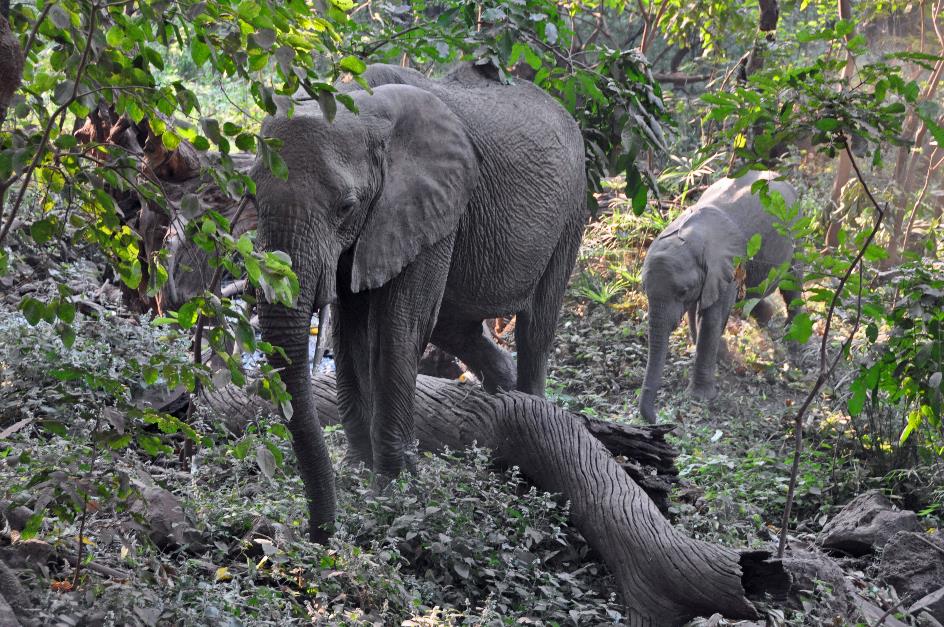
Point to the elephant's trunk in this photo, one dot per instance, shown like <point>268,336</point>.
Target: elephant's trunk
<point>288,327</point>
<point>662,321</point>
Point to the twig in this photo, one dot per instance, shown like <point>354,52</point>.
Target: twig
<point>101,569</point>
<point>201,322</point>
<point>825,371</point>
<point>39,21</point>
<point>85,499</point>
<point>40,151</point>
<point>932,167</point>
<point>931,544</point>
<point>376,46</point>
<point>889,611</point>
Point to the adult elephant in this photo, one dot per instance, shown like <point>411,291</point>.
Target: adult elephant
<point>690,268</point>
<point>441,204</point>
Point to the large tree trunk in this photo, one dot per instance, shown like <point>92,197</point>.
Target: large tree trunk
<point>665,577</point>
<point>844,166</point>
<point>11,61</point>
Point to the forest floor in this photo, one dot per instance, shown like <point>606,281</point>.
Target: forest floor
<point>215,539</point>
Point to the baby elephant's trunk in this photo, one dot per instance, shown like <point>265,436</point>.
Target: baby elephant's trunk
<point>662,321</point>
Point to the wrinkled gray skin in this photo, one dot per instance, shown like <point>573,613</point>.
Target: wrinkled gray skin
<point>690,269</point>
<point>441,204</point>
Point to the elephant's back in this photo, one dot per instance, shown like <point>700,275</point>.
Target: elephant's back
<point>734,196</point>
<point>531,188</point>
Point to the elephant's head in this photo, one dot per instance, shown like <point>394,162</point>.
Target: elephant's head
<point>691,263</point>
<point>373,189</point>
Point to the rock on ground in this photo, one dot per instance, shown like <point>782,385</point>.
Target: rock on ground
<point>169,525</point>
<point>913,564</point>
<point>865,524</point>
<point>811,571</point>
<point>7,617</point>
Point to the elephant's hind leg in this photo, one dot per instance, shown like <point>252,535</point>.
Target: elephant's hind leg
<point>468,340</point>
<point>762,312</point>
<point>693,323</point>
<point>534,330</point>
<point>790,293</point>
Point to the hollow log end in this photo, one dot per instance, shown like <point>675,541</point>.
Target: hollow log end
<point>764,577</point>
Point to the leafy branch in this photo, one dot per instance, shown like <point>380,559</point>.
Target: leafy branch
<point>826,369</point>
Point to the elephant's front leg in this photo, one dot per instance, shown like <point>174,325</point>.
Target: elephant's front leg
<point>713,321</point>
<point>402,316</point>
<point>352,366</point>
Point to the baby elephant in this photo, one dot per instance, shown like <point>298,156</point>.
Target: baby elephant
<point>690,268</point>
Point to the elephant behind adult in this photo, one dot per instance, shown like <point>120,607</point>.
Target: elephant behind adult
<point>441,204</point>
<point>690,269</point>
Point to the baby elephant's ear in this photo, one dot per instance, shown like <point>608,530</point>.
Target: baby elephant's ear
<point>429,168</point>
<point>720,240</point>
<point>719,275</point>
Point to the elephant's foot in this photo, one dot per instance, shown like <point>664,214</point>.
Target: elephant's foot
<point>381,484</point>
<point>762,312</point>
<point>704,392</point>
<point>356,456</point>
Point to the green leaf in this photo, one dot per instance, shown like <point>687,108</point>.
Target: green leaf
<point>348,102</point>
<point>353,65</point>
<point>150,374</point>
<point>639,199</point>
<point>66,142</point>
<point>248,10</point>
<point>67,373</point>
<point>188,313</point>
<point>328,105</point>
<point>33,310</point>
<point>875,253</point>
<point>42,230</point>
<point>33,524</point>
<point>115,37</point>
<point>800,329</point>
<point>199,51</point>
<point>253,270</point>
<point>170,140</point>
<point>856,401</point>
<point>914,421</point>
<point>65,312</point>
<point>826,124</point>
<point>277,165</point>
<point>246,142</point>
<point>937,132</point>
<point>152,445</point>
<point>67,335</point>
<point>130,273</point>
<point>753,245</point>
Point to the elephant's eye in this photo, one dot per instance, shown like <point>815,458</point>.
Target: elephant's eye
<point>347,205</point>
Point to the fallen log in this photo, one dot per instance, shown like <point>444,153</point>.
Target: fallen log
<point>641,452</point>
<point>664,576</point>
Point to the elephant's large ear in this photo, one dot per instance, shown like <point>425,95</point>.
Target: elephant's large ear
<point>429,168</point>
<point>720,240</point>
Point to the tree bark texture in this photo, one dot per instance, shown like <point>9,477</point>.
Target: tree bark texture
<point>844,166</point>
<point>665,577</point>
<point>642,452</point>
<point>11,62</point>
<point>607,471</point>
